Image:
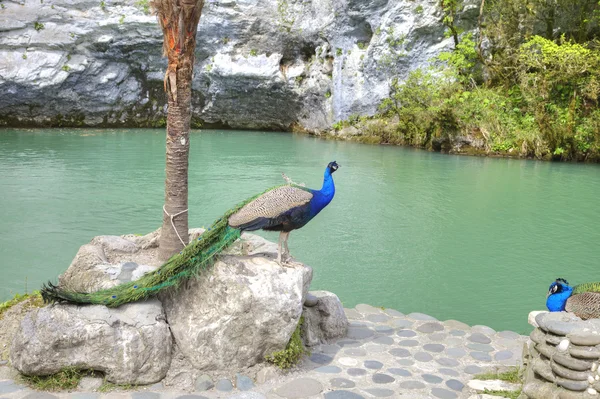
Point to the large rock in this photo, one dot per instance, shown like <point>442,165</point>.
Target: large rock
<point>324,321</point>
<point>244,308</point>
<point>259,64</point>
<point>131,344</point>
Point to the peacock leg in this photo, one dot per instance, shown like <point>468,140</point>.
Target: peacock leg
<point>286,251</point>
<point>279,247</point>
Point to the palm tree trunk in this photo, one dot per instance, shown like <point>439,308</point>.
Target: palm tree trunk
<point>179,21</point>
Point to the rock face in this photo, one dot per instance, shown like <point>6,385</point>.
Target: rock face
<point>244,308</point>
<point>131,344</point>
<point>325,320</point>
<point>562,357</point>
<point>259,64</point>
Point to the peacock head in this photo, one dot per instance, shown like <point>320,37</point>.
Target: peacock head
<point>332,166</point>
<point>558,293</point>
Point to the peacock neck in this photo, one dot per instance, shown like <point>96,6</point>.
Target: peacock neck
<point>557,302</point>
<point>323,196</point>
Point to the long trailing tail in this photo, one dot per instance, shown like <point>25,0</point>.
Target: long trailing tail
<point>196,256</point>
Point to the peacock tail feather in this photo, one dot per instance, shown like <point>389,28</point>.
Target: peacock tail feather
<point>586,287</point>
<point>195,257</point>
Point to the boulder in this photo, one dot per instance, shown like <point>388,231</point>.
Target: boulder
<point>325,321</point>
<point>131,344</point>
<point>244,308</point>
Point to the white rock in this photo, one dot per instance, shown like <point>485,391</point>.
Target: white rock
<point>592,391</point>
<point>563,345</point>
<point>492,385</point>
<point>591,379</point>
<point>347,361</point>
<point>594,366</point>
<point>532,315</point>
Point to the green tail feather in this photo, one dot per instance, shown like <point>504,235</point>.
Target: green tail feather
<point>586,287</point>
<point>196,256</point>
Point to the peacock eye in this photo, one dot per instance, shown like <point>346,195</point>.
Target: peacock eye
<point>554,289</point>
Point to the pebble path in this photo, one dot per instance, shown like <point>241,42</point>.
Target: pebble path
<point>386,354</point>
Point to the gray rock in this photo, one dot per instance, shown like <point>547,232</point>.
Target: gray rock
<point>355,372</point>
<point>443,393</point>
<point>412,384</point>
<point>406,333</point>
<point>584,352</point>
<point>568,373</point>
<point>359,332</point>
<point>266,374</point>
<point>384,330</point>
<point>144,395</point>
<point>373,364</point>
<point>341,394</point>
<point>509,334</point>
<point>573,364</point>
<point>85,336</point>
<point>483,330</point>
<point>310,300</point>
<point>8,386</point>
<point>450,372</point>
<point>248,395</point>
<point>421,316</point>
<point>503,355</point>
<point>559,323</point>
<point>379,378</point>
<point>584,338</point>
<point>400,372</point>
<point>437,348</point>
<point>401,323</point>
<point>438,337</point>
<point>90,383</point>
<point>479,338</point>
<point>456,352</point>
<point>214,318</point>
<point>355,352</point>
<point>399,352</point>
<point>380,392</point>
<point>481,347</point>
<point>405,362</point>
<point>572,385</point>
<point>204,383</point>
<point>446,361</point>
<point>325,321</point>
<point>408,342</point>
<point>430,327</point>
<point>383,340</point>
<point>367,309</point>
<point>191,396</point>
<point>432,379</point>
<point>481,356</point>
<point>455,385</point>
<point>243,383</point>
<point>377,318</point>
<point>39,395</point>
<point>423,357</point>
<point>328,369</point>
<point>300,388</point>
<point>393,313</point>
<point>341,383</point>
<point>473,369</point>
<point>224,385</point>
<point>320,358</point>
<point>457,333</point>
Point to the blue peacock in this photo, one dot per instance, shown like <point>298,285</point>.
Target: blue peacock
<point>283,208</point>
<point>583,300</point>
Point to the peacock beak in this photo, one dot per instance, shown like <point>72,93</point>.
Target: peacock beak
<point>548,294</point>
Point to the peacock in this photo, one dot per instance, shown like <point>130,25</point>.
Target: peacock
<point>583,300</point>
<point>282,208</point>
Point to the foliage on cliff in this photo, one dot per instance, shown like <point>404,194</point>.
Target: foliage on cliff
<point>527,83</point>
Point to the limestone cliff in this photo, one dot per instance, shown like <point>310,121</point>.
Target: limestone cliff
<point>269,64</point>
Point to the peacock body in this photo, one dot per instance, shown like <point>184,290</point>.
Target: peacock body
<point>282,208</point>
<point>583,300</point>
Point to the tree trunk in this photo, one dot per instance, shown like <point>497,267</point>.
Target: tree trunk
<point>179,21</point>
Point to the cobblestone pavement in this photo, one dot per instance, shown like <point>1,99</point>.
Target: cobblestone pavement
<point>386,354</point>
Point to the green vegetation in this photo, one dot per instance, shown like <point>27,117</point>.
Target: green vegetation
<point>328,94</point>
<point>533,92</point>
<point>143,5</point>
<point>38,26</point>
<point>338,51</point>
<point>292,353</point>
<point>109,387</point>
<point>66,379</point>
<point>66,68</point>
<point>122,19</point>
<point>512,375</point>
<point>24,56</point>
<point>361,45</point>
<point>253,52</point>
<point>103,6</point>
<point>33,300</point>
<point>225,40</point>
<point>419,9</point>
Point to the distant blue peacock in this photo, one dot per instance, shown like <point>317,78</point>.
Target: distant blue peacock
<point>583,300</point>
<point>282,208</point>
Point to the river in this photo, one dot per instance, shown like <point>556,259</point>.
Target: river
<point>473,239</point>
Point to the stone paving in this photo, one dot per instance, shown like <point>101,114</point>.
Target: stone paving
<point>386,354</point>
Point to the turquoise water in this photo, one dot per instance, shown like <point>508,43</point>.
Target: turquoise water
<point>473,239</point>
